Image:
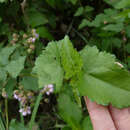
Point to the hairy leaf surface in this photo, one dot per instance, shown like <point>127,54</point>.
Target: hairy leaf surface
<point>5,53</point>
<point>72,114</point>
<point>48,68</point>
<point>3,74</point>
<point>30,83</point>
<point>70,58</point>
<point>16,66</point>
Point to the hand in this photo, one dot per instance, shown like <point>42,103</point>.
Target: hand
<point>108,118</point>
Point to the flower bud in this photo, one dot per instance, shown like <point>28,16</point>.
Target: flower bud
<point>33,31</point>
<point>15,35</point>
<point>25,36</point>
<point>32,46</point>
<point>24,100</point>
<point>4,94</point>
<point>48,89</point>
<point>29,50</point>
<point>105,22</point>
<point>30,95</point>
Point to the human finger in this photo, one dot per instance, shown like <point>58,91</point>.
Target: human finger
<point>121,118</point>
<point>100,116</point>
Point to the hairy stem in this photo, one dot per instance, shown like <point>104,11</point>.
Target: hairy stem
<point>21,116</point>
<point>6,112</point>
<point>35,111</point>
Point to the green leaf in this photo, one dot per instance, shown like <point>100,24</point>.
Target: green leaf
<point>100,18</point>
<point>2,123</point>
<point>48,68</point>
<point>44,33</point>
<point>88,9</point>
<point>14,125</point>
<point>0,19</point>
<point>73,1</point>
<point>127,47</point>
<point>72,114</point>
<point>70,59</point>
<point>87,125</point>
<point>5,53</point>
<point>128,31</point>
<point>30,83</point>
<point>16,66</point>
<point>1,1</point>
<point>104,81</point>
<point>3,74</point>
<point>72,65</point>
<point>114,27</point>
<point>66,128</point>
<point>10,87</point>
<point>83,24</point>
<point>79,11</point>
<point>116,42</point>
<point>122,4</point>
<point>36,18</point>
<point>52,3</point>
<point>109,42</point>
<point>113,2</point>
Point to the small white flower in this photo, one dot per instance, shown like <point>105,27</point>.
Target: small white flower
<point>36,35</point>
<point>33,39</point>
<point>16,96</point>
<point>19,98</point>
<point>48,89</point>
<point>29,110</point>
<point>21,110</point>
<point>24,113</point>
<point>48,93</point>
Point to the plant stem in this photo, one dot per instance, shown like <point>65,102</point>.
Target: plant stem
<point>21,116</point>
<point>35,111</point>
<point>6,112</point>
<point>81,36</point>
<point>124,52</point>
<point>70,27</point>
<point>2,126</point>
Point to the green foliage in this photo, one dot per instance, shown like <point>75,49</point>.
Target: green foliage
<point>70,59</point>
<point>114,27</point>
<point>11,83</point>
<point>102,77</point>
<point>3,74</point>
<point>5,53</point>
<point>16,125</point>
<point>73,1</point>
<point>2,126</point>
<point>51,2</point>
<point>44,33</point>
<point>123,4</point>
<point>1,1</point>
<point>87,125</point>
<point>36,18</point>
<point>48,68</point>
<point>15,66</point>
<point>30,83</point>
<point>72,114</point>
<point>28,62</point>
<point>79,11</point>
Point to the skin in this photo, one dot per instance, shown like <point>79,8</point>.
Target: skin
<point>108,118</point>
